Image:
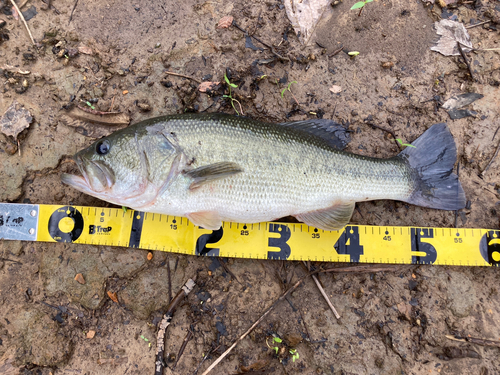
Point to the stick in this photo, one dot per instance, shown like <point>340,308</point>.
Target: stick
<point>182,75</point>
<point>281,298</point>
<point>362,269</point>
<point>477,24</point>
<point>72,11</point>
<point>474,340</point>
<point>336,51</point>
<point>466,60</point>
<point>24,21</point>
<point>183,346</point>
<point>315,278</point>
<point>165,322</point>
<point>492,159</point>
<point>271,48</point>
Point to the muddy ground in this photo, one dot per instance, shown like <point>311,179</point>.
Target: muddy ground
<point>392,322</point>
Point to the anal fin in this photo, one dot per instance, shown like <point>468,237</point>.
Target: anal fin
<point>331,218</point>
<point>205,219</point>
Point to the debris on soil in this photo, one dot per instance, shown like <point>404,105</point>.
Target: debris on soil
<point>113,296</point>
<point>15,120</point>
<point>454,104</point>
<point>451,33</point>
<point>79,278</point>
<point>336,89</point>
<point>90,334</point>
<point>165,322</point>
<point>94,124</point>
<point>225,22</point>
<point>208,86</point>
<point>305,15</point>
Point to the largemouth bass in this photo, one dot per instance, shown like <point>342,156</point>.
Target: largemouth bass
<point>215,167</point>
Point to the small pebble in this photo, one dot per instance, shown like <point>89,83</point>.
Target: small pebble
<point>90,334</point>
<point>79,277</point>
<point>125,92</point>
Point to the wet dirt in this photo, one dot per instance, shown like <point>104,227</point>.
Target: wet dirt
<point>392,322</point>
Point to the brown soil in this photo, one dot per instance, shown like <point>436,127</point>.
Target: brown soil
<point>392,322</point>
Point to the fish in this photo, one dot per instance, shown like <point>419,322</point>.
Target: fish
<point>216,167</point>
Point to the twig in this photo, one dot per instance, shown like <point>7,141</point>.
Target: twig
<point>23,4</point>
<point>72,11</point>
<point>385,130</point>
<point>466,60</point>
<point>475,340</point>
<point>477,24</point>
<point>336,51</point>
<point>281,298</point>
<point>182,75</point>
<point>322,291</point>
<point>9,260</point>
<point>165,322</point>
<point>271,48</point>
<point>362,269</point>
<point>24,21</point>
<point>495,134</point>
<point>183,346</point>
<point>492,159</point>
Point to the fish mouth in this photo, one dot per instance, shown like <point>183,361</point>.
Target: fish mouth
<point>96,176</point>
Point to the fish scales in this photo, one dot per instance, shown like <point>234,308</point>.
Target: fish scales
<point>216,167</point>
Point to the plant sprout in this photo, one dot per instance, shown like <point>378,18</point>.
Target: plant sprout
<point>360,4</point>
<point>229,84</point>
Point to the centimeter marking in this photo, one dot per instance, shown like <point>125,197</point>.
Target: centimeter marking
<point>355,243</point>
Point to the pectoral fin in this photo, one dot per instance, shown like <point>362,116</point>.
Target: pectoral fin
<point>331,218</point>
<point>206,219</point>
<point>208,173</point>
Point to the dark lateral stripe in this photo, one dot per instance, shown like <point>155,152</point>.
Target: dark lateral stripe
<point>136,231</point>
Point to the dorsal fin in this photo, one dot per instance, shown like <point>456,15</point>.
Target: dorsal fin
<point>330,131</point>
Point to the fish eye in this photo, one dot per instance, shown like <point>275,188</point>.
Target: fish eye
<point>102,147</point>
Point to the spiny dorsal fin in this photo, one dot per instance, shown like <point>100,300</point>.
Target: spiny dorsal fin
<point>330,131</point>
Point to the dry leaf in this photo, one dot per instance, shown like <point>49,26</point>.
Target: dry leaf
<point>79,277</point>
<point>225,22</point>
<point>113,296</point>
<point>304,15</point>
<point>94,124</point>
<point>15,120</point>
<point>336,89</point>
<point>405,309</point>
<point>451,32</point>
<point>85,50</point>
<point>90,334</point>
<point>204,86</point>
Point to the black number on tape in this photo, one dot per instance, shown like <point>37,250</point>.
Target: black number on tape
<point>490,247</point>
<point>280,242</point>
<point>417,246</point>
<point>61,213</point>
<point>348,243</point>
<point>204,239</point>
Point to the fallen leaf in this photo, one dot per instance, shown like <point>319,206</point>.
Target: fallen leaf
<point>79,277</point>
<point>453,105</point>
<point>304,15</point>
<point>204,86</point>
<point>90,334</point>
<point>85,50</point>
<point>405,309</point>
<point>225,22</point>
<point>336,89</point>
<point>15,120</point>
<point>451,32</point>
<point>113,296</point>
<point>94,124</point>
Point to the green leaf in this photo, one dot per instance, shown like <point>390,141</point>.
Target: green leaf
<point>353,53</point>
<point>276,348</point>
<point>368,1</point>
<point>359,4</point>
<point>226,79</point>
<point>278,340</point>
<point>233,85</point>
<point>282,92</point>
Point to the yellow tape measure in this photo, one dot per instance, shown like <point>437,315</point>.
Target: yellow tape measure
<point>356,243</point>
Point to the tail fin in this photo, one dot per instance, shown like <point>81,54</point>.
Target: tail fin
<point>432,159</point>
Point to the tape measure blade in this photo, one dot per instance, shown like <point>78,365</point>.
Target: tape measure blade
<point>18,221</point>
